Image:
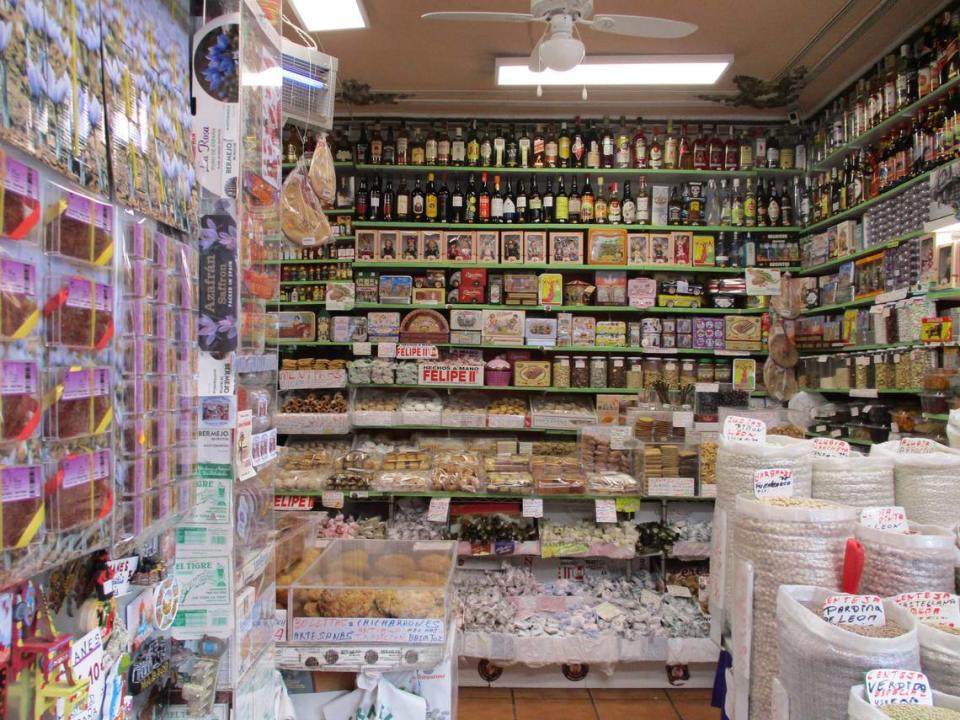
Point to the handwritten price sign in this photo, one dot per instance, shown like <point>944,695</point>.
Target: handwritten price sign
<point>865,610</point>
<point>830,447</point>
<point>941,608</point>
<point>893,687</point>
<point>773,482</point>
<point>745,430</point>
<point>892,518</point>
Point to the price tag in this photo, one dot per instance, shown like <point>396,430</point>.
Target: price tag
<point>837,433</point>
<point>892,518</point>
<point>439,509</point>
<point>362,348</point>
<point>683,419</point>
<point>680,591</point>
<point>506,447</point>
<point>830,447</point>
<point>864,610</point>
<point>863,393</point>
<point>898,687</point>
<point>533,507</point>
<point>621,437</point>
<point>606,511</point>
<point>683,287</point>
<point>773,482</point>
<point>417,352</point>
<point>525,448</point>
<point>332,499</point>
<point>628,504</point>
<point>387,350</point>
<point>915,446</point>
<point>702,387</point>
<point>820,428</point>
<point>745,430</point>
<point>941,608</point>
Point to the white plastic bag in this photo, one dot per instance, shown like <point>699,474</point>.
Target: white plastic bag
<point>926,483</point>
<point>819,662</point>
<point>376,698</point>
<point>854,480</point>
<point>939,653</point>
<point>859,709</point>
<point>953,429</point>
<point>896,563</point>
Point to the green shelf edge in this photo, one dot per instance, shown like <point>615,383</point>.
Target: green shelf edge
<point>571,349</point>
<point>862,253</point>
<point>570,308</point>
<point>839,306</point>
<point>382,225</point>
<point>365,494</point>
<point>325,261</point>
<point>941,417</point>
<point>865,443</point>
<point>549,431</point>
<point>846,391</point>
<point>559,171</point>
<point>400,264</point>
<point>496,388</point>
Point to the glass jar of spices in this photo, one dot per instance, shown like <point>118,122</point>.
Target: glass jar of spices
<point>635,373</point>
<point>580,373</point>
<point>617,373</point>
<point>652,371</point>
<point>561,371</point>
<point>671,373</point>
<point>723,371</point>
<point>598,372</point>
<point>705,371</point>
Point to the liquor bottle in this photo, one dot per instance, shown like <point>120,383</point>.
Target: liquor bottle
<point>563,146</point>
<point>443,202</point>
<point>551,148</point>
<point>548,202</point>
<point>715,151</point>
<point>373,213</point>
<point>593,147</point>
<point>639,146</point>
<point>578,147</point>
<point>403,201</point>
<point>643,203</point>
<point>786,204</point>
<point>389,202</point>
<point>684,150</point>
<point>443,146</point>
<point>390,148</point>
<point>721,253</point>
<point>806,206</point>
<point>473,146</point>
<point>486,149</point>
<point>655,150</point>
<point>759,149</point>
<point>509,204</point>
<point>726,204</point>
<point>361,202</point>
<point>456,202</point>
<point>774,209</point>
<point>524,146</point>
<point>496,202</point>
<point>535,204</point>
<point>735,251</point>
<point>749,252</point>
<point>701,152</point>
<point>574,200</point>
<point>430,147</point>
<point>763,220</point>
<point>746,152</point>
<point>836,196</point>
<point>684,204</point>
<point>539,147</point>
<point>629,205</point>
<point>750,206</point>
<point>483,200</point>
<point>417,151</point>
<point>607,145</point>
<point>471,203</point>
<point>786,161</point>
<point>430,200</point>
<point>600,203</point>
<point>458,148</point>
<point>712,203</point>
<point>521,202</point>
<point>906,78</point>
<point>561,210</point>
<point>889,85</point>
<point>670,148</point>
<point>674,207</point>
<point>623,155</point>
<point>376,146</point>
<point>417,202</point>
<point>731,152</point>
<point>403,144</point>
<point>586,202</point>
<point>344,150</point>
<point>513,150</point>
<point>614,206</point>
<point>499,148</point>
<point>773,151</point>
<point>800,153</point>
<point>361,149</point>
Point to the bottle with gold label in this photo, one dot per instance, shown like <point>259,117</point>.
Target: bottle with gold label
<point>430,200</point>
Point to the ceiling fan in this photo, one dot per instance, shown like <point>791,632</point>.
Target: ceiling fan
<point>558,49</point>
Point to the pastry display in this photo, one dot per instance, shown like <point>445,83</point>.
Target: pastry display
<point>311,402</point>
<point>460,472</point>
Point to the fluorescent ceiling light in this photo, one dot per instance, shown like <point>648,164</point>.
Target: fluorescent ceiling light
<point>620,70</point>
<point>324,15</point>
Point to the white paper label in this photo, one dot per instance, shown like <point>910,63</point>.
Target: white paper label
<point>387,350</point>
<point>863,393</point>
<point>123,570</point>
<point>704,387</point>
<point>939,608</point>
<point>830,447</point>
<point>745,430</point>
<point>621,437</point>
<point>773,482</point>
<point>606,511</point>
<point>439,509</point>
<point>332,499</point>
<point>533,507</point>
<point>865,610</point>
<point>648,597</point>
<point>680,591</point>
<point>362,348</point>
<point>892,518</point>
<point>683,419</point>
<point>898,687</point>
<point>915,446</point>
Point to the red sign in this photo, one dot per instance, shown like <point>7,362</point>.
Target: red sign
<point>444,374</point>
<point>293,502</point>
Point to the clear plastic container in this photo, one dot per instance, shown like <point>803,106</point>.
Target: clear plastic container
<point>23,492</point>
<point>705,370</point>
<point>671,373</point>
<point>79,313</point>
<point>84,404</point>
<point>561,371</point>
<point>598,372</point>
<point>19,401</point>
<point>635,374</point>
<point>18,300</point>
<point>84,482</point>
<point>80,228</point>
<point>652,371</point>
<point>617,373</point>
<point>723,371</point>
<point>580,374</point>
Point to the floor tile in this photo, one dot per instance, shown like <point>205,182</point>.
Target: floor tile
<point>698,711</point>
<point>469,708</point>
<point>637,694</point>
<point>487,693</point>
<point>690,694</point>
<point>568,707</point>
<point>635,710</point>
<point>558,694</point>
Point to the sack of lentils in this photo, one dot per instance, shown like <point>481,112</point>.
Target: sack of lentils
<point>793,541</point>
<point>925,483</point>
<point>894,563</point>
<point>736,464</point>
<point>939,649</point>
<point>945,707</point>
<point>819,661</point>
<point>855,480</point>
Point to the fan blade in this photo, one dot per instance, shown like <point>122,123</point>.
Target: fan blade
<point>639,26</point>
<point>481,16</point>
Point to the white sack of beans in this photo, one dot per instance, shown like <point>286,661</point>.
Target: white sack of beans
<point>855,480</point>
<point>736,464</point>
<point>820,662</point>
<point>939,652</point>
<point>859,709</point>
<point>926,484</point>
<point>894,563</point>
<point>792,544</point>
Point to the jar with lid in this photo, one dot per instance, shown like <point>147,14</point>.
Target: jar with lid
<point>723,371</point>
<point>902,363</point>
<point>635,373</point>
<point>824,372</point>
<point>561,371</point>
<point>580,373</point>
<point>705,370</point>
<point>598,372</point>
<point>922,361</point>
<point>882,371</point>
<point>617,373</point>
<point>688,372</point>
<point>841,373</point>
<point>671,373</point>
<point>861,372</point>
<point>652,371</point>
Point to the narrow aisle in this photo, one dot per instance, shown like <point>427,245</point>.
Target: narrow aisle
<point>582,704</point>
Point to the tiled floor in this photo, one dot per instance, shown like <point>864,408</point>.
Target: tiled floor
<point>529,704</point>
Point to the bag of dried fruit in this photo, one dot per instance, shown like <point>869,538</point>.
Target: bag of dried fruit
<point>939,647</point>
<point>854,480</point>
<point>925,479</point>
<point>945,707</point>
<point>895,562</point>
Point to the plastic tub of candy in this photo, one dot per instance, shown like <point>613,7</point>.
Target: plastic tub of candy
<point>421,407</point>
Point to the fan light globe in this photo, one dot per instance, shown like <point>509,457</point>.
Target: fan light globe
<point>561,53</point>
